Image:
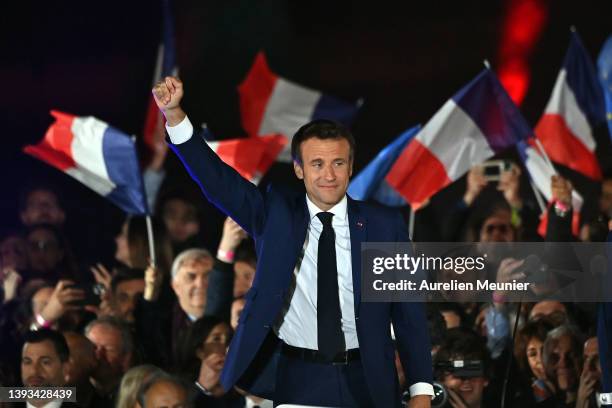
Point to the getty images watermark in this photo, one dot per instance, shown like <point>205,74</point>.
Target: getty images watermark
<point>462,272</point>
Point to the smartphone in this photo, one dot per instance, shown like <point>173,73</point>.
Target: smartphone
<point>92,294</point>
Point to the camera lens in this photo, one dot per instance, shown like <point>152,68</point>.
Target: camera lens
<point>440,397</point>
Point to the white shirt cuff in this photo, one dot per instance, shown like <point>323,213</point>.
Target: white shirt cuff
<point>421,388</point>
<point>180,133</point>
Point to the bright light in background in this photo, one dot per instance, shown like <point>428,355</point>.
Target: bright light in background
<point>521,29</point>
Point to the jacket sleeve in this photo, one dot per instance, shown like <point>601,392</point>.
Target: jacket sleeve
<point>221,184</point>
<point>412,332</point>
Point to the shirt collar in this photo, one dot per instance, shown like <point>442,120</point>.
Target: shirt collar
<point>339,210</point>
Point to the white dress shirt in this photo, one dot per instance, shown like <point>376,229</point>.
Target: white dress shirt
<point>50,404</point>
<point>297,326</point>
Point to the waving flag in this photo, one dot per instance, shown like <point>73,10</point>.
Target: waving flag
<point>604,65</point>
<point>478,122</point>
<point>96,154</point>
<point>251,156</point>
<point>165,66</point>
<point>540,173</point>
<point>576,104</point>
<point>270,104</point>
<point>370,183</point>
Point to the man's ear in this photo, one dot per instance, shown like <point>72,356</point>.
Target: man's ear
<point>299,170</point>
<point>351,168</point>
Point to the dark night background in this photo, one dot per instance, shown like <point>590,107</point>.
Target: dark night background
<point>404,58</point>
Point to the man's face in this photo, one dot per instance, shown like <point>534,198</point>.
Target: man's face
<point>244,273</point>
<point>41,366</point>
<point>190,285</point>
<point>42,207</point>
<point>82,358</point>
<point>164,394</point>
<point>126,295</point>
<point>44,251</point>
<point>181,219</point>
<point>497,228</point>
<point>590,355</point>
<point>110,354</point>
<point>326,168</point>
<point>469,389</point>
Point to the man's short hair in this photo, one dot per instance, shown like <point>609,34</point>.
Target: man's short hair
<point>156,377</point>
<point>125,274</point>
<point>189,255</point>
<point>321,129</point>
<point>56,338</point>
<point>127,342</point>
<point>464,344</point>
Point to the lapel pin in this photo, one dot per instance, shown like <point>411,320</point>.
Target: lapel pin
<point>359,224</point>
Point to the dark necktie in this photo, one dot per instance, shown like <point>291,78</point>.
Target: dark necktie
<point>329,316</point>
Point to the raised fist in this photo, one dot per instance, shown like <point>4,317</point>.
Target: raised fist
<point>168,94</point>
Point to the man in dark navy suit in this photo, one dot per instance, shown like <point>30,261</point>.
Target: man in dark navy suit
<point>304,336</point>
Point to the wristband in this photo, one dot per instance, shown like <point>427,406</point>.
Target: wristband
<point>561,209</point>
<point>225,256</point>
<point>203,389</point>
<point>45,324</point>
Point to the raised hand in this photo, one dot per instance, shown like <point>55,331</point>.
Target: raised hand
<point>561,189</point>
<point>168,94</point>
<point>233,234</point>
<point>153,282</point>
<point>62,300</point>
<point>10,283</point>
<point>476,181</point>
<point>509,185</point>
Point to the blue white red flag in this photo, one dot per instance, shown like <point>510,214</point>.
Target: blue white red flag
<point>575,107</point>
<point>370,183</point>
<point>478,122</point>
<point>270,104</point>
<point>96,154</point>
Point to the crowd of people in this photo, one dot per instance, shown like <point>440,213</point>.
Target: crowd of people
<point>137,334</point>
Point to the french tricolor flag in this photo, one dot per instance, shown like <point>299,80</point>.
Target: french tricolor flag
<point>576,105</point>
<point>478,122</point>
<point>96,154</point>
<point>540,172</point>
<point>251,157</point>
<point>270,104</point>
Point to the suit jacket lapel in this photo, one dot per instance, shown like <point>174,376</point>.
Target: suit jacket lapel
<point>358,229</point>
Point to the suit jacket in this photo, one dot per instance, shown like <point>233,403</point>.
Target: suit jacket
<point>278,222</point>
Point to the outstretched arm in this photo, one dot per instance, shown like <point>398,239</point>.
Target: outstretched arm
<point>220,183</point>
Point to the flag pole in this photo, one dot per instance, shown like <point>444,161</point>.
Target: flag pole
<point>538,196</point>
<point>151,241</point>
<point>411,223</point>
<point>544,155</point>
